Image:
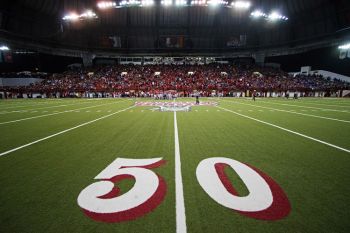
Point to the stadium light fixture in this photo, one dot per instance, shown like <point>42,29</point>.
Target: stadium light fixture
<point>344,46</point>
<point>274,16</point>
<point>147,2</point>
<point>129,3</point>
<point>167,2</point>
<point>242,5</point>
<point>180,2</point>
<point>89,14</point>
<point>258,14</point>
<point>71,17</point>
<point>106,5</point>
<point>4,48</point>
<point>199,2</point>
<point>215,3</point>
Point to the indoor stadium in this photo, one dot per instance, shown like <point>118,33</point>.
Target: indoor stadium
<point>175,116</point>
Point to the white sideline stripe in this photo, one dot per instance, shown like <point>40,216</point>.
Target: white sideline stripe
<point>20,106</point>
<point>180,203</point>
<point>55,106</point>
<point>298,113</point>
<point>288,130</point>
<point>330,105</point>
<point>56,113</point>
<point>30,105</point>
<point>62,132</point>
<point>301,106</point>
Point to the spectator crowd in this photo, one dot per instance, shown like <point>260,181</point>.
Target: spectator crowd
<point>184,79</point>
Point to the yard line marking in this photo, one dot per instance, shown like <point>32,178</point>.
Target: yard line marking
<point>180,203</point>
<point>20,106</point>
<point>330,105</point>
<point>287,130</point>
<point>55,106</point>
<point>298,113</point>
<point>62,132</point>
<point>300,106</point>
<point>55,113</point>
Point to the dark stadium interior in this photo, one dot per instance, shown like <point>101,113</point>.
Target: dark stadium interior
<point>203,29</point>
<point>175,116</point>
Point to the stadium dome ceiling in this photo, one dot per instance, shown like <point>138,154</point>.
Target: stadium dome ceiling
<point>199,27</point>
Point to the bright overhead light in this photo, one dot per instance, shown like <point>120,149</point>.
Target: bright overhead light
<point>198,2</point>
<point>147,2</point>
<point>217,2</point>
<point>344,46</point>
<point>258,14</point>
<point>4,48</point>
<point>71,17</point>
<point>241,5</point>
<point>276,16</point>
<point>88,14</point>
<point>180,2</point>
<point>106,4</point>
<point>129,3</point>
<point>167,2</point>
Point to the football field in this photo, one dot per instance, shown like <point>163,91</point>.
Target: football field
<point>121,165</point>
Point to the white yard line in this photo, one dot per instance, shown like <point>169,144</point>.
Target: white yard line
<point>56,113</point>
<point>62,132</point>
<point>301,106</point>
<point>180,203</point>
<point>55,106</point>
<point>298,113</point>
<point>330,105</point>
<point>287,130</point>
<point>29,105</point>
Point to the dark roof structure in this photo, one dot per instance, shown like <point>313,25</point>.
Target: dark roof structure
<point>145,29</point>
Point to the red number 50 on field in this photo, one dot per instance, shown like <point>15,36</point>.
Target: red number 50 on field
<point>101,200</point>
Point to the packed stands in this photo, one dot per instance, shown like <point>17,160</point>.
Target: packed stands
<point>146,81</point>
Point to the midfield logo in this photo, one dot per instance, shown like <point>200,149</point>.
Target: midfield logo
<point>175,104</point>
<point>101,200</point>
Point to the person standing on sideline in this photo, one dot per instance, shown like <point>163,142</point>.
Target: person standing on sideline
<point>197,99</point>
<point>254,95</point>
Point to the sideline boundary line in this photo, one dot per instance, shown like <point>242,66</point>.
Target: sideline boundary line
<point>33,109</point>
<point>301,106</point>
<point>56,113</point>
<point>287,130</point>
<point>180,203</point>
<point>62,132</point>
<point>322,104</point>
<point>298,113</point>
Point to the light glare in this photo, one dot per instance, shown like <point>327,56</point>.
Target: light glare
<point>217,2</point>
<point>344,47</point>
<point>106,5</point>
<point>4,48</point>
<point>71,17</point>
<point>276,16</point>
<point>241,5</point>
<point>167,2</point>
<point>258,14</point>
<point>180,2</point>
<point>147,2</point>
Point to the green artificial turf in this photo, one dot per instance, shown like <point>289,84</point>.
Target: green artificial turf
<point>40,183</point>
